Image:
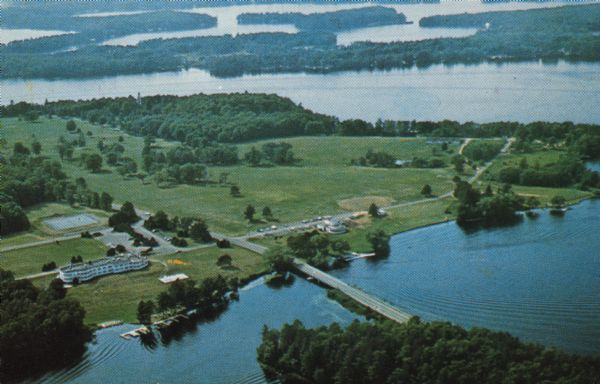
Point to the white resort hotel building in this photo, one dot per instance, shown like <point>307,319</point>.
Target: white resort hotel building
<point>81,272</point>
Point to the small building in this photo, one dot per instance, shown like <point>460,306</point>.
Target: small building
<point>332,227</point>
<point>81,272</point>
<point>173,278</point>
<point>401,163</point>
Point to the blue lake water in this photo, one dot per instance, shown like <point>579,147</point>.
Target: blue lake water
<point>539,280</point>
<point>222,351</point>
<point>482,93</point>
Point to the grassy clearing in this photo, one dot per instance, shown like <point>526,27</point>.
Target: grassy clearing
<point>314,187</point>
<point>116,297</point>
<point>540,158</point>
<point>30,260</point>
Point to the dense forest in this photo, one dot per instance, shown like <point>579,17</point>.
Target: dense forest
<point>39,329</point>
<point>29,178</point>
<point>573,36</point>
<point>194,119</point>
<point>329,21</point>
<point>415,352</point>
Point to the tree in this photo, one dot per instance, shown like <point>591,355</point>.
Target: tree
<point>558,201</point>
<point>267,214</point>
<point>36,147</point>
<point>106,201</point>
<point>340,247</point>
<point>253,157</point>
<point>71,126</point>
<point>93,162</point>
<point>144,311</point>
<point>426,191</point>
<point>129,210</point>
<point>199,231</point>
<point>380,242</point>
<point>128,166</point>
<point>12,218</point>
<point>56,290</point>
<point>234,191</point>
<point>224,261</point>
<point>459,163</point>
<point>165,301</point>
<point>31,115</point>
<point>249,213</point>
<point>279,260</point>
<point>373,210</point>
<point>20,150</point>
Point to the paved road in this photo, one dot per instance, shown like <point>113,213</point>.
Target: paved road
<point>37,275</point>
<point>464,145</point>
<point>41,242</point>
<point>358,295</point>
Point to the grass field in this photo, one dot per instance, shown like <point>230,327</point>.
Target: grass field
<point>321,183</point>
<point>115,297</point>
<point>538,157</point>
<point>29,261</point>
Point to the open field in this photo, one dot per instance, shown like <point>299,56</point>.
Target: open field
<point>315,186</point>
<point>540,158</point>
<point>30,260</point>
<point>115,297</point>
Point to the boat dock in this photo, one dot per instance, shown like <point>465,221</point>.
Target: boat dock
<point>135,333</point>
<point>355,256</point>
<point>108,324</point>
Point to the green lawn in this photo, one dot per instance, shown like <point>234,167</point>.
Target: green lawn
<point>542,158</point>
<point>115,297</point>
<point>321,183</point>
<point>29,261</point>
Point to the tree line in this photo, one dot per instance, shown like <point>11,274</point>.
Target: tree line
<point>414,352</point>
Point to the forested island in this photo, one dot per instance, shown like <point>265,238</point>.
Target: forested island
<point>329,21</point>
<point>573,36</point>
<point>415,352</point>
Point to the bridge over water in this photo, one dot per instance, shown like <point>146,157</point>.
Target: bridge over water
<point>375,304</point>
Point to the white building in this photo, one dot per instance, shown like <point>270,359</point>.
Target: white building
<point>105,266</point>
<point>332,227</point>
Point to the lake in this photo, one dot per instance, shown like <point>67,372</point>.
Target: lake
<point>222,351</point>
<point>539,280</point>
<point>482,93</point>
